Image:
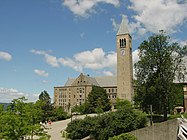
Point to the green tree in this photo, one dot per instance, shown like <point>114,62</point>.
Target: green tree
<point>107,125</point>
<point>80,128</point>
<point>20,120</point>
<point>98,100</point>
<point>160,63</point>
<point>45,102</point>
<point>59,114</point>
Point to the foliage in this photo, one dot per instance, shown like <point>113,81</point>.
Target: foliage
<point>177,116</point>
<point>160,63</point>
<point>79,129</point>
<point>20,119</point>
<point>82,109</point>
<point>98,98</point>
<point>45,102</point>
<point>124,136</point>
<point>59,114</point>
<point>122,104</point>
<point>97,102</point>
<point>109,124</point>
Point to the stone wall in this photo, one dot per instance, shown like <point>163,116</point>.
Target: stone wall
<point>160,131</point>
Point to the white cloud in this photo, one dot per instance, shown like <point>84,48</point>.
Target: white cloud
<point>85,7</point>
<point>41,73</point>
<point>135,55</point>
<point>8,94</point>
<point>45,81</point>
<point>108,73</point>
<point>179,41</point>
<point>51,60</point>
<point>115,24</point>
<point>96,59</point>
<point>133,27</point>
<point>155,15</point>
<point>6,56</point>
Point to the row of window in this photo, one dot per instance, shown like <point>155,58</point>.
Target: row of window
<point>113,90</point>
<point>111,96</point>
<point>64,89</point>
<point>81,81</point>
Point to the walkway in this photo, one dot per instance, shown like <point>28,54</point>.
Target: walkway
<point>56,127</point>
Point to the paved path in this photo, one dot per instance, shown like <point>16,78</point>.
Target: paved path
<point>56,127</point>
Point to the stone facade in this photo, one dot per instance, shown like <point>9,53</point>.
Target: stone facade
<point>75,91</point>
<point>124,63</point>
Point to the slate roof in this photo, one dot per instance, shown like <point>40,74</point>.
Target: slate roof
<point>106,81</point>
<point>123,29</point>
<point>103,81</point>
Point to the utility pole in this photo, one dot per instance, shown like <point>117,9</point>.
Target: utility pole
<point>151,110</point>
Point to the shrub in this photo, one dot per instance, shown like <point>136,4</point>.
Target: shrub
<point>124,136</point>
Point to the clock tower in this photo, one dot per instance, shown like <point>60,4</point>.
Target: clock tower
<point>124,63</point>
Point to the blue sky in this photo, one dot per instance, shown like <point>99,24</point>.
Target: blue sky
<point>43,42</point>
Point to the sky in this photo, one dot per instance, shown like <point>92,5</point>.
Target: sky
<point>45,42</point>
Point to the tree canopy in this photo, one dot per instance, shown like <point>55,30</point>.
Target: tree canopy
<point>161,62</point>
<point>21,120</point>
<point>97,102</point>
<point>108,124</point>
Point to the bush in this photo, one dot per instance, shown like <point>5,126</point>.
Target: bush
<point>124,136</point>
<point>107,125</point>
<point>79,129</point>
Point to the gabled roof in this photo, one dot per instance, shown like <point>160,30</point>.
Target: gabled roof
<point>69,81</point>
<point>106,81</point>
<point>92,81</point>
<point>123,29</point>
<point>102,81</point>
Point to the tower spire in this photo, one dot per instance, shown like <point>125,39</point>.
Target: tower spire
<point>123,29</point>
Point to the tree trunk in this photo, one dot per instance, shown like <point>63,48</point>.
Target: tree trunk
<point>165,113</point>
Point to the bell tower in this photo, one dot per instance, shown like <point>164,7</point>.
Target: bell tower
<point>124,62</point>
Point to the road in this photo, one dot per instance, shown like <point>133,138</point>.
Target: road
<point>56,127</point>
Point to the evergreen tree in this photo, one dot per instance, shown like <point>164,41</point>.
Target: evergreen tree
<point>98,100</point>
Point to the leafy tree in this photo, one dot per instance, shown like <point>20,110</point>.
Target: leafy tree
<point>160,63</point>
<point>123,104</point>
<point>59,114</point>
<point>20,120</point>
<point>82,109</point>
<point>80,128</point>
<point>98,100</point>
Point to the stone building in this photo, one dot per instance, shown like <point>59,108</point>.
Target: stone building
<point>76,90</point>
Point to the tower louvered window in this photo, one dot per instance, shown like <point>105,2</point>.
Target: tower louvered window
<point>122,43</point>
